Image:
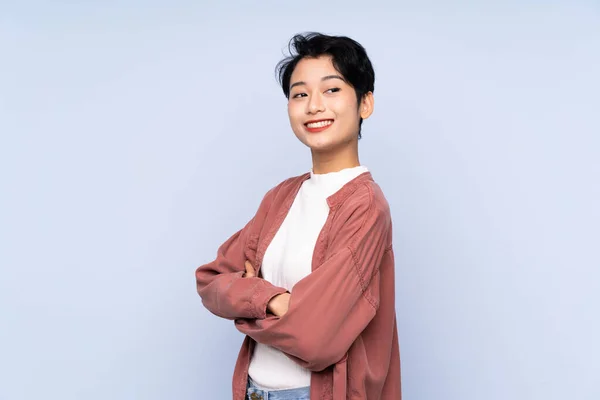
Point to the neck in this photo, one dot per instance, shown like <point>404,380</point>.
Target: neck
<point>336,160</point>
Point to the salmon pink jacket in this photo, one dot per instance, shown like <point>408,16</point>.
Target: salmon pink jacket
<point>341,321</point>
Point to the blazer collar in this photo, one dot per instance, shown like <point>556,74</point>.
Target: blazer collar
<point>345,191</point>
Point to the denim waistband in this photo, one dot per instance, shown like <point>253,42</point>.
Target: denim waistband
<point>254,392</point>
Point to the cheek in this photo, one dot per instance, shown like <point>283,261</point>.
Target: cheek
<point>345,107</point>
<point>293,113</point>
<point>347,115</point>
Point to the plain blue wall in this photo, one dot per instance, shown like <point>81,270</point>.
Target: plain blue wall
<point>137,136</point>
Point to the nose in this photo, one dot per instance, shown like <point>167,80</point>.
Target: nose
<point>315,104</point>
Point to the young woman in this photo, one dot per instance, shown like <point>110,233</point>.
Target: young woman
<point>310,278</point>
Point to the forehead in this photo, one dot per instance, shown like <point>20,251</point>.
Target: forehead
<point>313,69</point>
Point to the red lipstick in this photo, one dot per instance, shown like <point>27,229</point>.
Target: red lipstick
<point>323,124</point>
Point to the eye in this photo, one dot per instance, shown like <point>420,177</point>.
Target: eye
<point>298,95</point>
<point>333,90</point>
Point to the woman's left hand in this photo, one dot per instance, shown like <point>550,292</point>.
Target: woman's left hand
<point>250,271</point>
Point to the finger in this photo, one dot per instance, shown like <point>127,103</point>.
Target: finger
<point>249,269</point>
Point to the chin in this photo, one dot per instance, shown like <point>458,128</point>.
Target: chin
<point>321,142</point>
<point>326,143</point>
<point>322,145</point>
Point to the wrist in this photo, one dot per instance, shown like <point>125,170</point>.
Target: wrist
<point>271,306</point>
<point>278,305</point>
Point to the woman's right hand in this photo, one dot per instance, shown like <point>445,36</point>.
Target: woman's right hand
<point>279,304</point>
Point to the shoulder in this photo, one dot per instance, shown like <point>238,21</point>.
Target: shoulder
<point>364,211</point>
<point>281,190</point>
<point>362,218</point>
<point>368,198</point>
<point>290,184</point>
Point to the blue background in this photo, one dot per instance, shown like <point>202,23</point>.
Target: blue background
<point>135,137</point>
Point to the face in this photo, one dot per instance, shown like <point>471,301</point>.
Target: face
<point>323,109</point>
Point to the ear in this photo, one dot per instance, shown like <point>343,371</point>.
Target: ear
<point>366,105</point>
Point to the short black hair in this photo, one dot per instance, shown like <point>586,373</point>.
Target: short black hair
<point>348,56</point>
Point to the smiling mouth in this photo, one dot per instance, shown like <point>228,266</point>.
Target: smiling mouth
<point>317,126</point>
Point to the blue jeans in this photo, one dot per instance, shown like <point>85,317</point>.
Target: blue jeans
<point>253,392</point>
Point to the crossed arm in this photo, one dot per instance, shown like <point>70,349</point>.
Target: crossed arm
<point>221,283</point>
<point>317,323</point>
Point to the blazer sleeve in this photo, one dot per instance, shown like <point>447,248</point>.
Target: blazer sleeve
<point>221,285</point>
<point>331,307</point>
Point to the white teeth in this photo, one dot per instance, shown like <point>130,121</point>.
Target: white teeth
<point>319,124</point>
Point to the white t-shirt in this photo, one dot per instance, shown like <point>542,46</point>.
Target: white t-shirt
<point>287,260</point>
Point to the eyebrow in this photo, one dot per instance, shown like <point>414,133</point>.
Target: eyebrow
<point>325,78</point>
